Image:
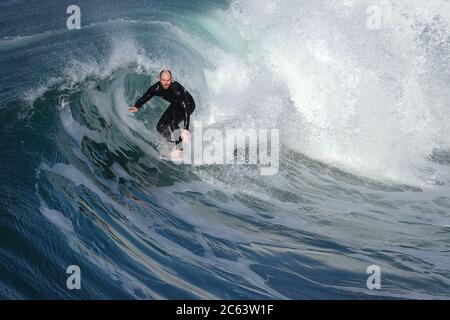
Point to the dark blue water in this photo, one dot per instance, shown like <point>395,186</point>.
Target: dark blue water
<point>363,169</point>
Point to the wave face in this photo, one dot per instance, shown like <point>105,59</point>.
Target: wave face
<point>364,160</point>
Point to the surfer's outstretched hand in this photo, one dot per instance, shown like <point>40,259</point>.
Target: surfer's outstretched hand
<point>133,109</point>
<point>185,135</point>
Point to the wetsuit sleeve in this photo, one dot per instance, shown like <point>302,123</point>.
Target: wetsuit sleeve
<point>150,93</point>
<point>184,103</point>
<point>186,116</point>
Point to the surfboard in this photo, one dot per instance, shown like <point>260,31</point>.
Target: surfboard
<point>173,155</point>
<point>168,152</point>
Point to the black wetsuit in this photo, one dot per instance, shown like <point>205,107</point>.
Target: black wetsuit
<point>181,106</point>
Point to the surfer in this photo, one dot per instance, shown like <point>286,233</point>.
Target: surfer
<point>181,107</point>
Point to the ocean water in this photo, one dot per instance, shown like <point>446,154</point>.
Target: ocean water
<point>363,116</point>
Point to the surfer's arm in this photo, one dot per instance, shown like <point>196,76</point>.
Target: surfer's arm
<point>150,93</point>
<point>186,115</point>
<point>185,104</point>
<point>185,133</point>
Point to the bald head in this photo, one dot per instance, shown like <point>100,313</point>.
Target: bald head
<point>165,78</point>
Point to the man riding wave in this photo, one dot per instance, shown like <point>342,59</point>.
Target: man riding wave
<point>181,106</point>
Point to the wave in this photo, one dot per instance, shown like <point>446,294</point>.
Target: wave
<point>362,115</point>
<point>375,106</point>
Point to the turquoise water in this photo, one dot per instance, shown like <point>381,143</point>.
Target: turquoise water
<point>364,158</point>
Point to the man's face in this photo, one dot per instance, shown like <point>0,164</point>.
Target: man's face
<point>165,80</point>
